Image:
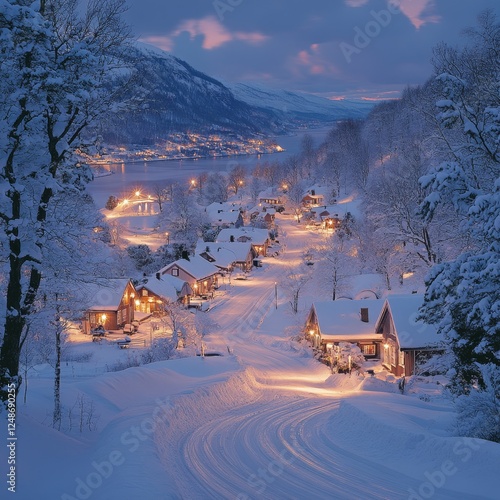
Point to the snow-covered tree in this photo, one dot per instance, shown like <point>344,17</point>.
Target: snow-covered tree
<point>347,357</point>
<point>183,218</point>
<point>463,294</point>
<point>54,63</point>
<point>216,188</point>
<point>336,265</point>
<point>295,280</point>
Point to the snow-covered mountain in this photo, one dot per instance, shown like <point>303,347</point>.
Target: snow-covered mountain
<point>174,97</point>
<point>298,106</point>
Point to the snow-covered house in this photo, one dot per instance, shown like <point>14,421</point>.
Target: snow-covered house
<point>406,341</point>
<point>314,196</point>
<point>329,215</point>
<point>225,219</point>
<point>259,238</point>
<point>111,304</point>
<point>157,290</point>
<point>201,275</point>
<point>353,321</point>
<point>227,256</point>
<point>270,197</point>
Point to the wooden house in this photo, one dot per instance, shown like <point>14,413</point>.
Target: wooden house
<point>201,275</point>
<point>227,256</point>
<point>353,321</point>
<point>259,238</point>
<point>111,304</point>
<point>407,343</point>
<point>155,291</point>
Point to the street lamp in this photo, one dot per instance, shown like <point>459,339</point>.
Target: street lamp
<point>168,238</point>
<point>276,294</point>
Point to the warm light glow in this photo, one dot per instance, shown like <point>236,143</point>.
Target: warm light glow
<point>138,193</point>
<point>132,295</point>
<point>386,346</point>
<point>311,332</point>
<point>137,302</point>
<point>193,182</point>
<point>408,275</point>
<point>103,318</point>
<point>125,201</point>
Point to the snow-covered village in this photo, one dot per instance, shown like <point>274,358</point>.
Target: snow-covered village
<point>284,286</point>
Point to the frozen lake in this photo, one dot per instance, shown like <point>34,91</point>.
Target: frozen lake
<point>128,177</point>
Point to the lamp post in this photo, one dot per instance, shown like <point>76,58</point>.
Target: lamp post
<point>168,238</point>
<point>276,294</point>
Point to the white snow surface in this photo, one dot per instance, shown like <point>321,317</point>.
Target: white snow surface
<point>263,420</point>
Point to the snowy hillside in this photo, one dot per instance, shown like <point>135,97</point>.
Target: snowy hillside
<point>175,97</point>
<point>299,106</point>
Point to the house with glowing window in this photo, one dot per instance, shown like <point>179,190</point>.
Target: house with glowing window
<point>201,275</point>
<point>407,342</point>
<point>259,238</point>
<point>110,304</point>
<point>353,321</point>
<point>155,291</point>
<point>227,256</point>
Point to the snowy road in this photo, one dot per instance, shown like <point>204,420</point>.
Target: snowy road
<point>283,444</point>
<point>269,422</point>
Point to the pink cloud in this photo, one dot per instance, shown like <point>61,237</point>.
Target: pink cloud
<point>419,12</point>
<point>313,61</point>
<point>214,33</point>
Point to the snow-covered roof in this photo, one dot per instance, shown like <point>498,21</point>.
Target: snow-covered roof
<point>225,253</point>
<point>221,218</point>
<point>166,286</point>
<point>196,266</point>
<point>412,334</point>
<point>255,235</point>
<point>340,320</point>
<point>317,192</point>
<point>225,206</point>
<point>269,193</point>
<point>328,211</point>
<point>105,296</point>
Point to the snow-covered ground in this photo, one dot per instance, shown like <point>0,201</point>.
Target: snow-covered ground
<point>263,420</point>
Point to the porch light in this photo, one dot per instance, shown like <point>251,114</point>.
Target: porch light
<point>103,318</point>
<point>386,346</point>
<point>311,332</point>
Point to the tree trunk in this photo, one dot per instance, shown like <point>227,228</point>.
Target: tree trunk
<point>56,418</point>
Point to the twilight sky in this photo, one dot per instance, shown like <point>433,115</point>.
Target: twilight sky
<point>335,48</point>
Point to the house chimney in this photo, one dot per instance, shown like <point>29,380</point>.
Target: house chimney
<point>313,192</point>
<point>364,314</point>
<point>158,276</point>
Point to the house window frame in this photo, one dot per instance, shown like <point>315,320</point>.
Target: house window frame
<point>175,271</point>
<point>369,349</point>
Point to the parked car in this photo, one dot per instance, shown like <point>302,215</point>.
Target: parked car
<point>98,331</point>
